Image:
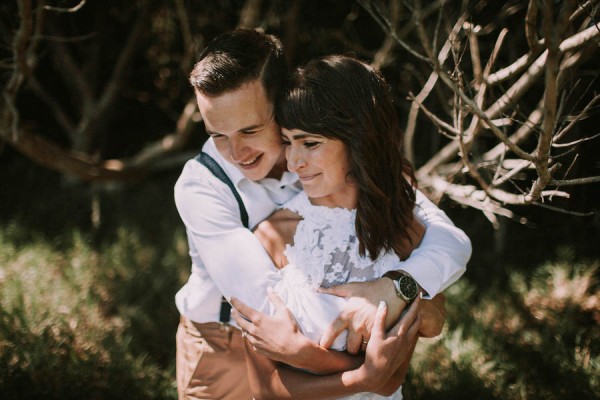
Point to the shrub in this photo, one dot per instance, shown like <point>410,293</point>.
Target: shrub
<point>67,319</point>
<point>538,339</point>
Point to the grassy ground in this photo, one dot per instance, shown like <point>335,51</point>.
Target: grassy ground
<point>86,308</point>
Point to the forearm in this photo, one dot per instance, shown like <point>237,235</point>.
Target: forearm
<point>383,356</point>
<point>271,380</point>
<point>322,361</point>
<point>442,256</point>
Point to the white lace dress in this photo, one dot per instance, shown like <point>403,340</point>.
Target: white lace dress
<point>325,253</point>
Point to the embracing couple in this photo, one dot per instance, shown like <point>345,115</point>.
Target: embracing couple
<point>306,219</point>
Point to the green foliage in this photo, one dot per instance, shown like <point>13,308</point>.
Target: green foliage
<point>82,322</point>
<point>538,339</point>
<point>79,320</point>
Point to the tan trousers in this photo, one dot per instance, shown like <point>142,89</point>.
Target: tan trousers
<point>210,362</point>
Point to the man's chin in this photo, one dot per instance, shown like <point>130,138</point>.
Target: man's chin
<point>255,175</point>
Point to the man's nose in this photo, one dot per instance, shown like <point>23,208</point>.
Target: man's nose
<point>237,150</point>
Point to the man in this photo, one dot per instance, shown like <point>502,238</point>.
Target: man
<point>236,82</point>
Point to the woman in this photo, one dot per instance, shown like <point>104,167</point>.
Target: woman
<point>354,216</point>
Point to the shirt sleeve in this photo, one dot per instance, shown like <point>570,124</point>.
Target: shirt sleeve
<point>232,256</point>
<point>442,256</point>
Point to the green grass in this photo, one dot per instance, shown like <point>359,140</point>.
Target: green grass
<point>538,339</point>
<point>82,322</point>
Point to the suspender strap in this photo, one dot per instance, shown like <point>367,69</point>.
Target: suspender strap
<point>217,171</point>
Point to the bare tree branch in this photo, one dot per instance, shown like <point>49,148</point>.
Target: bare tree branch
<point>524,131</point>
<point>189,47</point>
<point>562,210</point>
<point>586,7</point>
<point>531,26</point>
<point>512,70</point>
<point>411,124</point>
<point>475,125</point>
<point>66,10</point>
<point>74,79</point>
<point>250,14</point>
<point>581,115</point>
<point>382,55</point>
<point>112,89</point>
<point>61,117</point>
<point>172,142</point>
<point>380,18</point>
<point>576,142</point>
<point>70,163</point>
<point>21,68</point>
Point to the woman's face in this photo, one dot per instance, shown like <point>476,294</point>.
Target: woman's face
<point>322,165</point>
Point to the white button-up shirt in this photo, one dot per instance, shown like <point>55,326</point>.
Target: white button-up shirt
<point>227,260</point>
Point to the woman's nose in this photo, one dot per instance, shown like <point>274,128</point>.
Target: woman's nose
<point>295,159</point>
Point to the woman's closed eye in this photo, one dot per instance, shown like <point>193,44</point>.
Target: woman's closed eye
<point>310,144</point>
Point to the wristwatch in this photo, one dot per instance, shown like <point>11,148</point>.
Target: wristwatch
<point>406,286</point>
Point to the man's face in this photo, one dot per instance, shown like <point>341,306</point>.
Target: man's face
<point>243,127</point>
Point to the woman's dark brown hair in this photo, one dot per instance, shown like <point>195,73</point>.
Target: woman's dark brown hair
<point>343,98</point>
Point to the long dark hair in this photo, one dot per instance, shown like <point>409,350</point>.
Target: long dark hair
<point>343,98</point>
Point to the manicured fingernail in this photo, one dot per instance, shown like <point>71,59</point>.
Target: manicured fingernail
<point>382,305</point>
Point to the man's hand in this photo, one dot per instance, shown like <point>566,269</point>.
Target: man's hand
<point>433,316</point>
<point>359,313</point>
<point>277,337</point>
<point>387,352</point>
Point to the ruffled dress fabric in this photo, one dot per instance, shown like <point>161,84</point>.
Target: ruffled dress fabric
<point>325,253</point>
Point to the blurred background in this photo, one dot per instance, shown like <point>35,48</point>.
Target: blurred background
<point>97,119</point>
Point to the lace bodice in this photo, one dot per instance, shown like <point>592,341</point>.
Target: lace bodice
<point>326,247</point>
<point>325,253</point>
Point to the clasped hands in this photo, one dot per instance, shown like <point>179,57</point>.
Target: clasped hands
<point>279,338</point>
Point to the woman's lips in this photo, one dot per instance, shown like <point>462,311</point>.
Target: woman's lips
<point>307,178</point>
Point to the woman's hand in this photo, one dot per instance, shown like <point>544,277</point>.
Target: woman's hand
<point>279,338</point>
<point>363,298</point>
<point>359,312</point>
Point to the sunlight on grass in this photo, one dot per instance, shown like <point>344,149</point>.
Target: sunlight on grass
<point>539,339</point>
<point>79,320</point>
<point>65,331</point>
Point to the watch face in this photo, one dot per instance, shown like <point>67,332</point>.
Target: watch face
<point>408,287</point>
